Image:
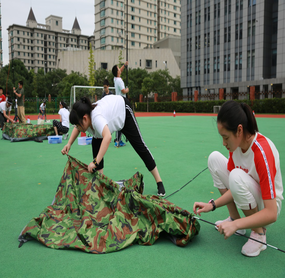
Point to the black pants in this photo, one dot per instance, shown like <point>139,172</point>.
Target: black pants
<point>118,136</point>
<point>132,132</point>
<point>2,120</point>
<point>60,128</point>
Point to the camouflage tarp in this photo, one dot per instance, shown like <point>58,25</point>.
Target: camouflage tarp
<point>24,132</point>
<point>90,213</point>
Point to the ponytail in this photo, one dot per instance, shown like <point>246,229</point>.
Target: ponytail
<point>233,114</point>
<point>251,121</point>
<point>64,105</point>
<point>80,109</point>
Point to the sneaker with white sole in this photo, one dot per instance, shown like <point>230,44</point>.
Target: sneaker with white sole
<point>229,219</point>
<point>253,248</point>
<point>65,136</point>
<point>160,189</point>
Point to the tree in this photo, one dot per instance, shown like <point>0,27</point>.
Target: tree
<point>175,84</point>
<point>74,78</point>
<point>91,67</point>
<point>14,72</point>
<point>136,77</point>
<point>147,87</point>
<point>161,80</point>
<point>121,58</point>
<point>53,78</point>
<point>101,75</point>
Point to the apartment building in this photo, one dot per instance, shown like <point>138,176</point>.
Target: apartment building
<point>232,45</point>
<point>147,22</point>
<point>37,45</point>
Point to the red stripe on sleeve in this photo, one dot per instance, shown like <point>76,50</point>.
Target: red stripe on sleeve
<point>265,166</point>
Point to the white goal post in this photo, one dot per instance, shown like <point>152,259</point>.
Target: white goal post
<point>92,92</point>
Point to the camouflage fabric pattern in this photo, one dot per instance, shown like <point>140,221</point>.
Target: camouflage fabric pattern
<point>90,213</point>
<point>26,131</point>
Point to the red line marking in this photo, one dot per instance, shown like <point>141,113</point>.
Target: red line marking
<point>167,114</point>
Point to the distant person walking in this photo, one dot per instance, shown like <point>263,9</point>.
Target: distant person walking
<point>20,102</point>
<point>42,111</point>
<point>121,91</point>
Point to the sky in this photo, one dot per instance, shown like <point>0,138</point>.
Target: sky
<point>17,11</point>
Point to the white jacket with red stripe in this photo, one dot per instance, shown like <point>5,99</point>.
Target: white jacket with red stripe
<point>261,162</point>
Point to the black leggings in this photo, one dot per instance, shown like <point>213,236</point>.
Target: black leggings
<point>132,132</point>
<point>60,128</point>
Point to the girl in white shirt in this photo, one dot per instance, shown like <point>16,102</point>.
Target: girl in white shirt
<point>62,126</point>
<point>101,119</point>
<point>250,179</point>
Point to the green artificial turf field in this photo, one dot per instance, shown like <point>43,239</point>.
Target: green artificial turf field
<point>30,174</point>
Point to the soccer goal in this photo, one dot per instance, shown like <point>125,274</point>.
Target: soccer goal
<point>94,93</point>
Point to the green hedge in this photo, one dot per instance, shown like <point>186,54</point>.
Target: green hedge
<point>274,105</point>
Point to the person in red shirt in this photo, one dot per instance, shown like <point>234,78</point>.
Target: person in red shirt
<point>2,96</point>
<point>249,179</point>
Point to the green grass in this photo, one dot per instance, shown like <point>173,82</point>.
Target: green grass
<point>30,173</point>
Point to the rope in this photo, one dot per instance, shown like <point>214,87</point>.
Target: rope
<point>187,183</point>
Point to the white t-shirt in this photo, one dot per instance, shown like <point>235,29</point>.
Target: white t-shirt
<point>109,111</point>
<point>64,116</point>
<point>261,162</point>
<point>3,107</point>
<point>43,106</point>
<point>119,86</point>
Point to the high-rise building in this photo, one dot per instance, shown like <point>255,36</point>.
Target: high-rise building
<point>148,21</point>
<point>37,45</point>
<point>1,51</point>
<point>232,45</point>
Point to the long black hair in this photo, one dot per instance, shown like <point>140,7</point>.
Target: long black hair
<point>79,109</point>
<point>233,114</point>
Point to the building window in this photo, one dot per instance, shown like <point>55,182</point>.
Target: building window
<point>253,58</point>
<point>240,60</point>
<point>225,62</point>
<point>229,34</point>
<point>229,62</point>
<point>218,64</point>
<point>253,28</point>
<point>104,66</point>
<point>236,32</point>
<point>148,64</point>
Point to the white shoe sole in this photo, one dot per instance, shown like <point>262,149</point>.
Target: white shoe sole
<point>254,254</point>
<point>161,194</point>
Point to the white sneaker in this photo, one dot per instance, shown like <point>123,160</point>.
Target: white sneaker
<point>253,248</point>
<point>65,136</point>
<point>229,219</point>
